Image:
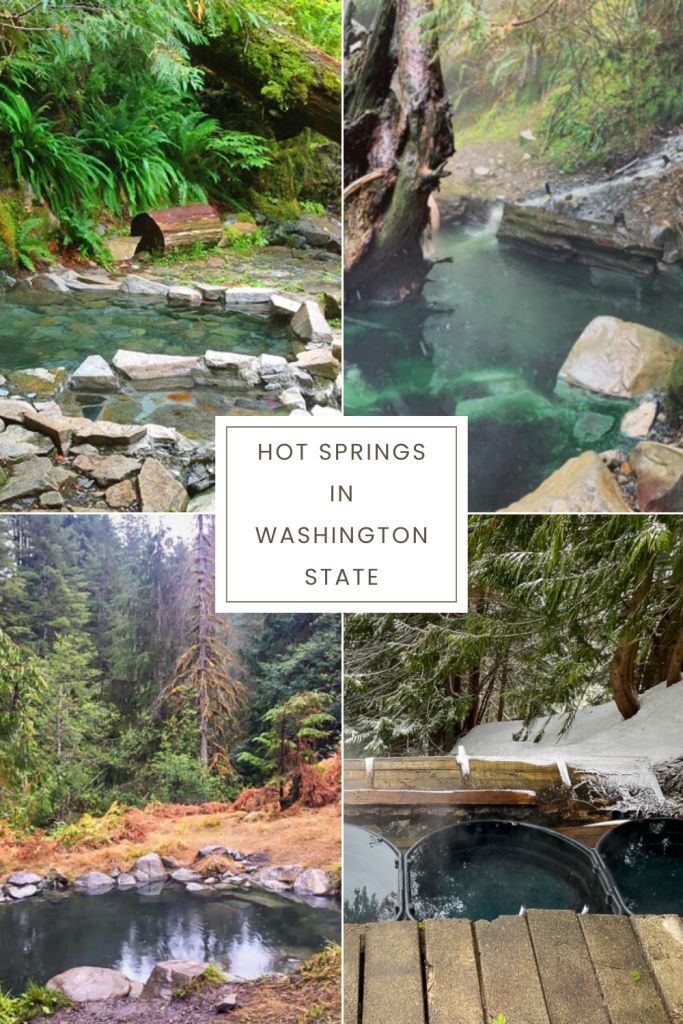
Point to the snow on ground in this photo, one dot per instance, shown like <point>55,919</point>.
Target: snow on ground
<point>655,732</point>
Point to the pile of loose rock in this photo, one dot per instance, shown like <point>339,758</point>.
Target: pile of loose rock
<point>623,361</point>
<point>52,461</point>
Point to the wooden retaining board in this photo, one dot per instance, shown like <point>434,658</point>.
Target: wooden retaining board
<point>438,797</point>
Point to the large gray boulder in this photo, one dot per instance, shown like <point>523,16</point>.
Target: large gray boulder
<point>49,283</point>
<point>148,869</point>
<point>24,878</point>
<point>91,984</point>
<point>170,976</point>
<point>133,284</point>
<point>310,324</point>
<point>21,892</point>
<point>314,882</point>
<point>93,882</point>
<point>280,877</point>
<point>619,359</point>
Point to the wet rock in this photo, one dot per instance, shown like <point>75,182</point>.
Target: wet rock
<point>310,324</point>
<point>149,869</point>
<point>283,308</point>
<point>583,485</point>
<point>159,490</point>
<point>51,500</point>
<point>93,882</point>
<point>90,984</point>
<point>186,875</point>
<point>21,892</point>
<point>197,887</point>
<point>133,284</point>
<point>659,474</point>
<point>314,882</point>
<point>247,296</point>
<point>311,232</point>
<point>183,294</point>
<point>234,366</point>
<point>145,367</point>
<point>619,359</point>
<point>320,362</point>
<point>591,426</point>
<point>170,976</point>
<point>94,374</point>
<point>121,495</point>
<point>49,283</point>
<point>210,292</point>
<point>125,881</point>
<point>283,875</point>
<point>638,422</point>
<point>13,410</point>
<point>19,878</point>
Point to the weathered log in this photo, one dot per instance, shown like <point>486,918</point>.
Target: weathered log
<point>397,139</point>
<point>177,227</point>
<point>570,239</point>
<point>251,63</point>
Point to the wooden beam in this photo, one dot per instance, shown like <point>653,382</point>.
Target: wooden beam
<point>446,797</point>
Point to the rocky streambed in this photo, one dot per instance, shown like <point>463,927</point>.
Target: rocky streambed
<point>108,433</point>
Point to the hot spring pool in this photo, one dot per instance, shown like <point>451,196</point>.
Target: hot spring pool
<point>248,934</point>
<point>48,329</point>
<point>487,339</point>
<point>646,861</point>
<point>371,877</point>
<point>484,869</point>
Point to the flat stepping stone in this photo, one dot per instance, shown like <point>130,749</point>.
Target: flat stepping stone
<point>628,988</point>
<point>453,995</point>
<point>571,988</point>
<point>393,975</point>
<point>510,984</point>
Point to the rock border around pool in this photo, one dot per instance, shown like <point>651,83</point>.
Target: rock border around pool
<point>152,872</point>
<point>51,461</point>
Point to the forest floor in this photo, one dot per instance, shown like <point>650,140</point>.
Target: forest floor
<point>312,993</point>
<point>304,836</point>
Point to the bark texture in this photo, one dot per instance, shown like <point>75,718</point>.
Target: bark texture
<point>397,139</point>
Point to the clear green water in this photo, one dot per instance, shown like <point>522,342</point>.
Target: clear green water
<point>39,330</point>
<point>250,935</point>
<point>371,878</point>
<point>486,339</point>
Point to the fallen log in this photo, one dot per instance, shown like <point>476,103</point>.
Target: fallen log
<point>160,230</point>
<point>570,239</point>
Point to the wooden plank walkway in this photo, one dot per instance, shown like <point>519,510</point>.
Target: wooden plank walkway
<point>550,967</point>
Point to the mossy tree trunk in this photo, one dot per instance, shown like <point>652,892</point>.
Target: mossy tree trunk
<point>397,140</point>
<point>296,85</point>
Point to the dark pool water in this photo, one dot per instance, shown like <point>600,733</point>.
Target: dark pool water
<point>250,935</point>
<point>646,861</point>
<point>40,330</point>
<point>486,339</point>
<point>371,877</point>
<point>485,870</point>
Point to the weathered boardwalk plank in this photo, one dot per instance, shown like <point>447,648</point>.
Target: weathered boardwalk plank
<point>353,980</point>
<point>626,981</point>
<point>511,986</point>
<point>393,988</point>
<point>662,941</point>
<point>453,995</point>
<point>571,988</point>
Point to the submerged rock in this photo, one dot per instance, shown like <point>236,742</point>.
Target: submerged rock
<point>591,426</point>
<point>583,485</point>
<point>170,976</point>
<point>659,477</point>
<point>91,984</point>
<point>619,359</point>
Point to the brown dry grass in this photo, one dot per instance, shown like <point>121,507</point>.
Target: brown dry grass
<point>306,836</point>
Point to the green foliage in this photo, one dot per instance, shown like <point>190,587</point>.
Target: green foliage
<point>296,731</point>
<point>240,241</point>
<point>37,1001</point>
<point>178,777</point>
<point>22,238</point>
